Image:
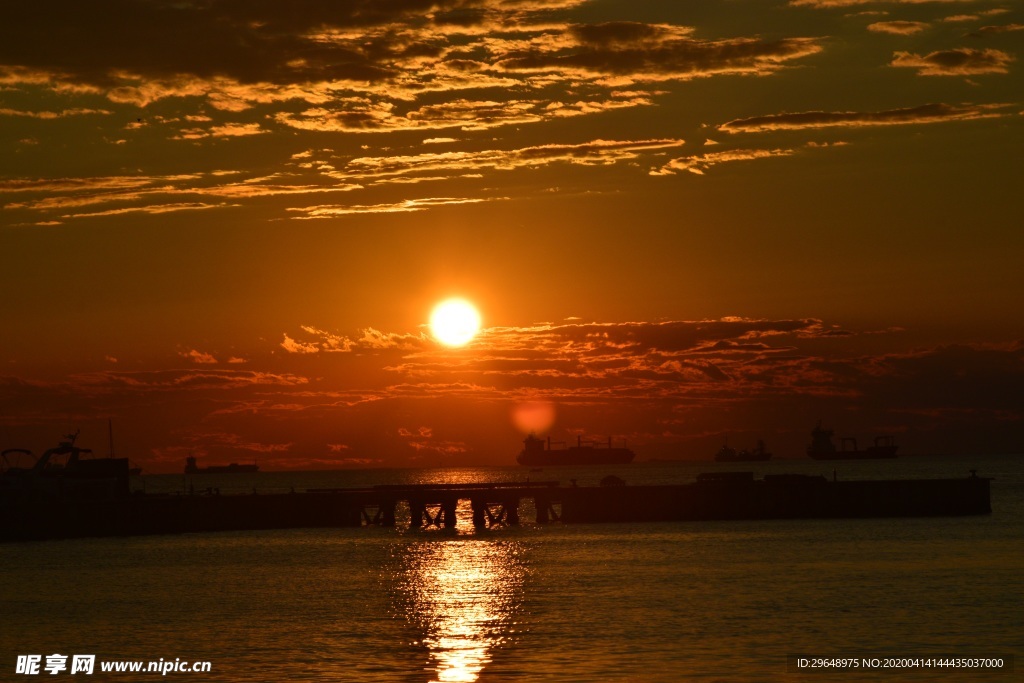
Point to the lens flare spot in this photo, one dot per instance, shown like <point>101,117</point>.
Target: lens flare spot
<point>533,417</point>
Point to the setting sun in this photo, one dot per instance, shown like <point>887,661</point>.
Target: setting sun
<point>454,322</point>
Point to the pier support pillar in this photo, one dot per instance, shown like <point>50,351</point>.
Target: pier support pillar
<point>387,509</point>
<point>352,515</point>
<point>417,511</point>
<point>448,513</point>
<point>542,504</point>
<point>546,511</point>
<point>371,514</point>
<point>512,511</point>
<point>479,512</point>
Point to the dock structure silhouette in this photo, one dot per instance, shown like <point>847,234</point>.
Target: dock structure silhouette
<point>492,504</point>
<point>714,496</point>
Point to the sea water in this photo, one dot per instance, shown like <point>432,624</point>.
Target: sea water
<point>686,601</point>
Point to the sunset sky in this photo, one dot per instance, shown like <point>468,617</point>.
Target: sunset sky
<point>224,225</point>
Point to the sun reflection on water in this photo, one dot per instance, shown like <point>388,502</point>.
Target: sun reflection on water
<point>463,596</point>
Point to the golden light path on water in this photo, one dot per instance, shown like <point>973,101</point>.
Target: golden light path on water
<point>464,596</point>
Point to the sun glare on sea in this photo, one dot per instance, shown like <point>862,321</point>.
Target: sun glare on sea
<point>454,322</point>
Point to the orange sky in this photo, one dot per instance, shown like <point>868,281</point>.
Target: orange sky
<point>224,225</point>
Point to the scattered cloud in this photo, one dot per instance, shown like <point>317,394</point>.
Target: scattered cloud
<point>309,173</point>
<point>595,152</point>
<point>364,70</point>
<point>699,163</point>
<point>418,398</point>
<point>178,380</point>
<point>624,53</point>
<point>228,130</point>
<point>292,346</point>
<point>151,209</point>
<point>465,67</point>
<point>828,4</point>
<point>901,28</point>
<point>199,357</point>
<point>47,115</point>
<point>71,197</point>
<point>994,30</point>
<point>318,340</point>
<point>959,62</point>
<point>976,16</point>
<point>369,107</point>
<point>404,206</point>
<point>734,360</point>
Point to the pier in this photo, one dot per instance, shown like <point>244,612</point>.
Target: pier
<point>716,496</point>
<point>436,504</point>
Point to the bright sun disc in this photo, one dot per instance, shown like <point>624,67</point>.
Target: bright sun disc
<point>454,322</point>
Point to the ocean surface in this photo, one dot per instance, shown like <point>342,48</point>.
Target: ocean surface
<point>687,601</point>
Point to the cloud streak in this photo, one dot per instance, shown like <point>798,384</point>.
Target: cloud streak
<point>996,30</point>
<point>405,206</point>
<point>698,164</point>
<point>958,62</point>
<point>829,4</point>
<point>593,153</point>
<point>900,28</point>
<point>309,174</point>
<point>927,113</point>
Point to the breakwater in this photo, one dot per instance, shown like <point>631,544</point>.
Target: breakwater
<point>721,496</point>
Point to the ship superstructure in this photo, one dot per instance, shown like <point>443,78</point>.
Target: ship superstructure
<point>822,447</point>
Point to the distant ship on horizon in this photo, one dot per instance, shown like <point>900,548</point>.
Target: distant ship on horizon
<point>823,448</point>
<point>539,452</point>
<point>730,454</point>
<point>233,468</point>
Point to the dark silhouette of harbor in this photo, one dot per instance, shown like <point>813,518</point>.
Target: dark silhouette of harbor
<point>714,496</point>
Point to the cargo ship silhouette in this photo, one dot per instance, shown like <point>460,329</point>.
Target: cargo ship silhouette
<point>539,452</point>
<point>822,447</point>
<point>729,454</point>
<point>233,468</point>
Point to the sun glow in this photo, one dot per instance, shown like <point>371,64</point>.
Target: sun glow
<point>454,322</point>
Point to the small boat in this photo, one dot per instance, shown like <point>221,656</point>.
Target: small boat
<point>233,468</point>
<point>540,452</point>
<point>823,448</point>
<point>729,454</point>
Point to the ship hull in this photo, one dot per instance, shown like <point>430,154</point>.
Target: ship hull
<point>223,469</point>
<point>869,454</point>
<point>231,469</point>
<point>743,458</point>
